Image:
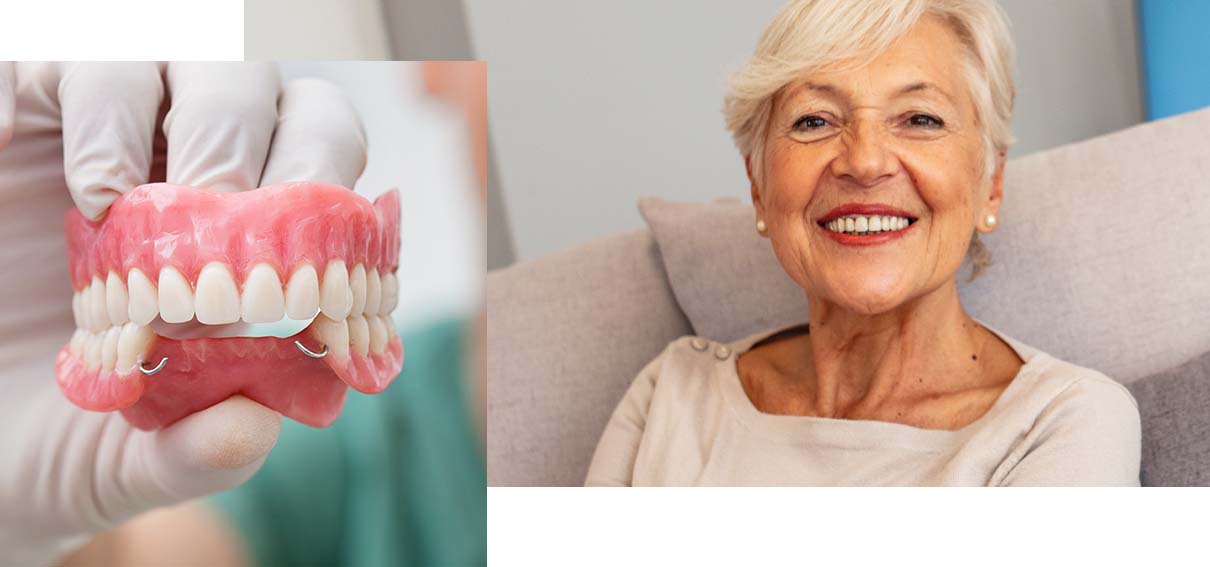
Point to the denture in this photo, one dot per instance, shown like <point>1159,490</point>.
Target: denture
<point>167,254</point>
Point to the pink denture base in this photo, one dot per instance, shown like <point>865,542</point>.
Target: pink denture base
<point>284,225</point>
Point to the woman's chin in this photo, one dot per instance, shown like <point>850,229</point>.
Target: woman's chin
<point>868,295</point>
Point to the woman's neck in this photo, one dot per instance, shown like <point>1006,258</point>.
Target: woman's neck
<point>862,363</point>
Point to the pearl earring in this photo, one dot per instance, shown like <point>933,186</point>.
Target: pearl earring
<point>761,227</point>
<point>991,221</point>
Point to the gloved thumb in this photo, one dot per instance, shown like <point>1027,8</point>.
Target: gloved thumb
<point>210,451</point>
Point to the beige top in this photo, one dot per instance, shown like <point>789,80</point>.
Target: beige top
<point>687,421</point>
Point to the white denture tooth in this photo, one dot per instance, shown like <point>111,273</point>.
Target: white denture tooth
<point>335,299</point>
<point>848,224</point>
<point>86,308</point>
<point>76,346</point>
<point>862,224</point>
<point>333,334</point>
<point>903,222</point>
<point>373,292</point>
<point>359,335</point>
<point>390,294</point>
<point>76,313</point>
<point>302,293</point>
<point>216,300</point>
<point>92,351</point>
<point>143,297</point>
<point>175,296</point>
<point>133,346</point>
<point>263,300</point>
<point>109,349</point>
<point>885,223</point>
<point>357,282</point>
<point>875,224</point>
<point>378,334</point>
<point>116,300</point>
<point>96,302</point>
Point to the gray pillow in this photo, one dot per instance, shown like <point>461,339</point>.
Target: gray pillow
<point>567,334</point>
<point>1174,406</point>
<point>1093,261</point>
<point>724,275</point>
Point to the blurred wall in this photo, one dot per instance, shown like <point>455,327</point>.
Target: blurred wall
<point>594,104</point>
<point>314,29</point>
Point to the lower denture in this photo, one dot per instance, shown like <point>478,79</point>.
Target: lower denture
<point>300,250</point>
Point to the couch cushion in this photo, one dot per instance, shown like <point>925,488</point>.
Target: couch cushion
<point>1176,424</point>
<point>567,334</point>
<point>1098,259</point>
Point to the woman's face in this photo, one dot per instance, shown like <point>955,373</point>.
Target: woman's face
<point>895,139</point>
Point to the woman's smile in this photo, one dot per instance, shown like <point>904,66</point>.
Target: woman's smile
<point>856,224</point>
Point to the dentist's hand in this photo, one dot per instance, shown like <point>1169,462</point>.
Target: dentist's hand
<point>85,134</point>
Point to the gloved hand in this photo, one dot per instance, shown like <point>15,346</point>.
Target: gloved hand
<point>86,133</point>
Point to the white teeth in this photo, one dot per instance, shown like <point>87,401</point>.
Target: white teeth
<point>335,297</point>
<point>133,345</point>
<point>77,341</point>
<point>217,301</point>
<point>109,349</point>
<point>357,281</point>
<point>175,297</point>
<point>373,292</point>
<point>332,334</point>
<point>390,294</point>
<point>92,351</point>
<point>143,297</point>
<point>378,334</point>
<point>77,304</point>
<point>359,335</point>
<point>863,224</point>
<point>302,293</point>
<point>116,299</point>
<point>263,301</point>
<point>98,311</point>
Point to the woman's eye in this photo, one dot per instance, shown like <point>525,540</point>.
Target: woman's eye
<point>925,121</point>
<point>810,123</point>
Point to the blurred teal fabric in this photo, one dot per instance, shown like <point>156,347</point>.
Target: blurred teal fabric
<point>398,480</point>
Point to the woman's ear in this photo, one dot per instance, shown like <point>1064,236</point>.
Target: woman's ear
<point>990,217</point>
<point>755,191</point>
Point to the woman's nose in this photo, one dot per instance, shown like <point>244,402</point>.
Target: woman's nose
<point>865,159</point>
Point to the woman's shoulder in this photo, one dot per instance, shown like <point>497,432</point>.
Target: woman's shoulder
<point>691,352</point>
<point>1057,387</point>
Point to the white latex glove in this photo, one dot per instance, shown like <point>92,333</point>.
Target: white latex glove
<point>88,133</point>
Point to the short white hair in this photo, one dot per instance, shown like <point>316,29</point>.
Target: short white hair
<point>807,35</point>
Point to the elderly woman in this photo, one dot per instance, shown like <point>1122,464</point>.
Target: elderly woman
<point>874,134</point>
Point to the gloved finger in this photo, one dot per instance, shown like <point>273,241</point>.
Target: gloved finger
<point>220,123</point>
<point>210,451</point>
<point>8,102</point>
<point>319,136</point>
<point>109,113</point>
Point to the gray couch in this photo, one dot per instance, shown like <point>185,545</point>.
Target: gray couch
<point>1101,259</point>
